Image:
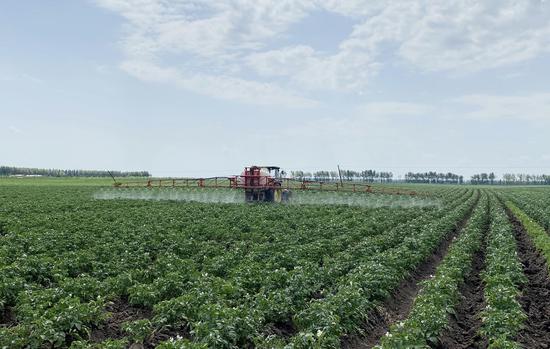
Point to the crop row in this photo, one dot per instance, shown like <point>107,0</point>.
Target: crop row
<point>440,294</point>
<point>89,244</point>
<point>273,303</point>
<point>535,202</point>
<point>540,238</point>
<point>325,320</point>
<point>238,271</point>
<point>238,323</point>
<point>503,316</point>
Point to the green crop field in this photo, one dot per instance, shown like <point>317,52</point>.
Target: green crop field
<point>84,267</point>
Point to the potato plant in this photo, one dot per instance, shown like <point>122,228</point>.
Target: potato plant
<point>439,295</point>
<point>540,238</point>
<point>216,275</point>
<point>503,316</point>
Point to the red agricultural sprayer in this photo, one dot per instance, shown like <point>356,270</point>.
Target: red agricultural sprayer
<point>261,184</point>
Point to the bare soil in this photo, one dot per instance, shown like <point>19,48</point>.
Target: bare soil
<point>7,317</point>
<point>121,312</point>
<point>397,307</point>
<point>464,325</point>
<point>535,294</point>
<point>167,333</point>
<point>284,329</point>
<point>3,229</point>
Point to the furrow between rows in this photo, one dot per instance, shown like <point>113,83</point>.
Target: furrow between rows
<point>535,295</point>
<point>397,307</point>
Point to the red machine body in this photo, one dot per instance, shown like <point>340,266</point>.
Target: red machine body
<point>262,183</point>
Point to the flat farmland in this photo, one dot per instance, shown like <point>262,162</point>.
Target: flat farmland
<point>467,269</point>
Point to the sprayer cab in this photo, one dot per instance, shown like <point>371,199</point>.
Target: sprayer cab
<point>263,184</point>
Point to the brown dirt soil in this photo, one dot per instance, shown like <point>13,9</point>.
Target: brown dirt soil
<point>167,333</point>
<point>7,317</point>
<point>535,295</point>
<point>284,329</point>
<point>3,229</point>
<point>398,306</point>
<point>121,312</point>
<point>464,325</point>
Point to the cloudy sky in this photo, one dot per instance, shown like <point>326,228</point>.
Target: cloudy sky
<point>195,88</point>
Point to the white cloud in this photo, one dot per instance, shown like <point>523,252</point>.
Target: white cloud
<point>14,129</point>
<point>224,87</point>
<point>283,62</point>
<point>304,67</point>
<point>534,107</point>
<point>395,109</point>
<point>101,68</point>
<point>232,41</point>
<point>455,35</point>
<point>22,77</point>
<point>33,79</point>
<point>204,27</point>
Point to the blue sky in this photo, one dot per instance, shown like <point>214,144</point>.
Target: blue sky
<point>191,88</point>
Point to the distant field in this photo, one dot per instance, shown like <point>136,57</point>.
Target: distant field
<point>82,272</point>
<point>55,181</point>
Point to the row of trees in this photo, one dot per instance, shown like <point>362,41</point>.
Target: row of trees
<point>379,176</point>
<point>434,177</point>
<point>430,177</point>
<point>483,178</point>
<point>511,179</point>
<point>348,175</point>
<point>24,171</point>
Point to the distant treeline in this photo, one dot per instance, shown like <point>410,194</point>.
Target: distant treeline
<point>348,175</point>
<point>379,176</point>
<point>511,179</point>
<point>433,177</point>
<point>430,177</point>
<point>24,171</point>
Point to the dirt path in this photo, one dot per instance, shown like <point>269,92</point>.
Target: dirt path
<point>464,325</point>
<point>398,306</point>
<point>535,295</point>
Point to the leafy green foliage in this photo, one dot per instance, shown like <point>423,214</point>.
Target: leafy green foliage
<point>226,273</point>
<point>326,320</point>
<point>503,316</point>
<point>138,330</point>
<point>439,295</point>
<point>538,235</point>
